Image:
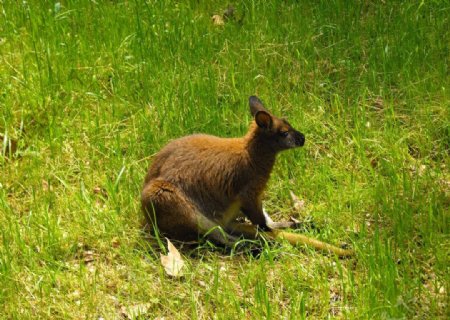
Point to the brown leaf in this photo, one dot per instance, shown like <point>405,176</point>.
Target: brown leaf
<point>172,263</point>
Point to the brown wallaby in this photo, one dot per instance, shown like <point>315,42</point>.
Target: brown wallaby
<point>199,185</point>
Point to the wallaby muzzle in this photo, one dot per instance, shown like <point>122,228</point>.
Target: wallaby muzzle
<point>299,139</point>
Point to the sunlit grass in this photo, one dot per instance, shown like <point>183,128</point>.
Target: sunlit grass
<point>89,91</point>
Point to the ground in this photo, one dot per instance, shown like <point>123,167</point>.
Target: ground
<point>89,91</point>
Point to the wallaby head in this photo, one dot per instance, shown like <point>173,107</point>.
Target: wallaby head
<point>277,133</point>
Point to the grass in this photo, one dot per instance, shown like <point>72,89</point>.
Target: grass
<point>90,90</point>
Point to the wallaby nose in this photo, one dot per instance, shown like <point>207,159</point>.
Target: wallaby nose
<point>299,139</point>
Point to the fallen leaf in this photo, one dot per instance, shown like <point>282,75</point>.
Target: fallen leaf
<point>172,263</point>
<point>299,205</point>
<point>217,20</point>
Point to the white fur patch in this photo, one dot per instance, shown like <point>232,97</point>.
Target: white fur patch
<point>266,216</point>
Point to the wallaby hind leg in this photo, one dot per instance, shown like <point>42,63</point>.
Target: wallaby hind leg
<point>169,210</point>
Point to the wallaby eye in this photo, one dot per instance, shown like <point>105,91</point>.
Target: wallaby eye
<point>284,134</point>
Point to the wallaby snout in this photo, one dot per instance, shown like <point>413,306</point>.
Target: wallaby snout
<point>299,139</point>
<point>293,139</point>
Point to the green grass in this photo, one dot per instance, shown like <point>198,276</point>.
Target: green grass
<point>90,90</point>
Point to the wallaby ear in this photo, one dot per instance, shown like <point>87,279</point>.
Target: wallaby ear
<point>263,119</point>
<point>256,105</point>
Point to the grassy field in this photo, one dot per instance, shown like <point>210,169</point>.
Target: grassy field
<point>90,90</point>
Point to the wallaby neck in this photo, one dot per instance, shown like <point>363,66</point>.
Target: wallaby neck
<point>261,154</point>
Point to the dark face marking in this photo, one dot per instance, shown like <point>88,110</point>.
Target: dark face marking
<point>281,136</point>
<point>277,132</point>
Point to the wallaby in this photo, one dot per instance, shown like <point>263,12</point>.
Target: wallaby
<point>199,185</point>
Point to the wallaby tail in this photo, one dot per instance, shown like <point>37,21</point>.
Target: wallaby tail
<point>296,239</point>
<point>251,232</point>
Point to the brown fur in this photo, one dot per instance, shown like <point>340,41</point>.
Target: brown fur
<point>198,185</point>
